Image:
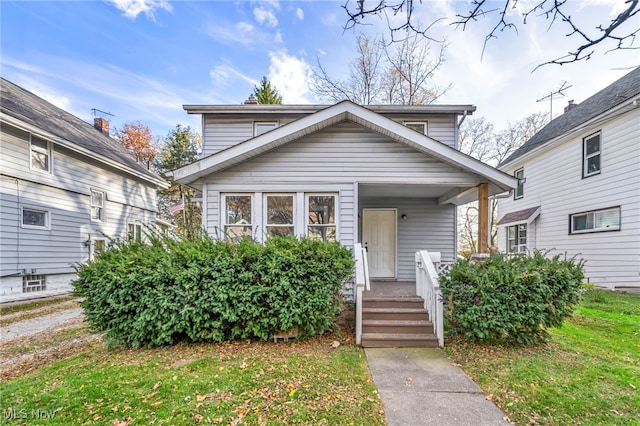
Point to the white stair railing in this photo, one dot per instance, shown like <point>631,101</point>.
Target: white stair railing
<point>428,287</point>
<point>362,283</point>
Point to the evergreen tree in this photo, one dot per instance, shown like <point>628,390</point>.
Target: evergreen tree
<point>181,147</point>
<point>266,94</point>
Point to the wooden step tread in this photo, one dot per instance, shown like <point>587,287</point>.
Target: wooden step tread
<point>397,336</point>
<point>396,322</point>
<point>394,310</point>
<point>392,299</point>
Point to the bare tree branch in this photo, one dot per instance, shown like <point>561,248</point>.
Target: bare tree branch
<point>556,11</point>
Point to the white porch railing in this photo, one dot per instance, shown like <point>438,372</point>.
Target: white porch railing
<point>428,287</point>
<point>362,283</point>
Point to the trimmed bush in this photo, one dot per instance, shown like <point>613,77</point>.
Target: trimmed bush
<point>203,290</point>
<point>510,300</point>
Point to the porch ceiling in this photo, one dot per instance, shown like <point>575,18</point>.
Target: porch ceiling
<point>445,194</point>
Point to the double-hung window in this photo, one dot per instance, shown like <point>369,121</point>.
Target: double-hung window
<point>517,238</point>
<point>237,216</point>
<point>279,212</point>
<point>595,221</point>
<point>98,199</point>
<point>321,217</point>
<point>40,154</point>
<point>519,174</point>
<point>260,127</point>
<point>591,155</point>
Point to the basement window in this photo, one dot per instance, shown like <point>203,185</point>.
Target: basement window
<point>34,283</point>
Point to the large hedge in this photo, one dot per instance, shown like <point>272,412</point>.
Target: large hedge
<point>167,291</point>
<point>510,300</point>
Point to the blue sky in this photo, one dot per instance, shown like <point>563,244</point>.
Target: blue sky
<point>141,60</point>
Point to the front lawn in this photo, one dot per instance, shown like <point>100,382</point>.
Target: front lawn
<point>588,374</point>
<point>228,383</point>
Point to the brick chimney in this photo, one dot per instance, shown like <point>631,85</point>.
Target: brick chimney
<point>251,101</point>
<point>570,106</point>
<point>102,125</point>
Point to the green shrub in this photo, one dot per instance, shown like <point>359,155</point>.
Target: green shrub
<point>204,290</point>
<point>510,300</point>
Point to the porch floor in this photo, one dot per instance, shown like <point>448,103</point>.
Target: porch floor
<point>391,289</point>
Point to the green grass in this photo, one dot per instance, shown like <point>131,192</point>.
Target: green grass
<point>588,374</point>
<point>19,307</point>
<point>253,383</point>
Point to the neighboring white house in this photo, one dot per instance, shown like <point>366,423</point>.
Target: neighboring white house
<point>579,189</point>
<point>64,187</point>
<point>387,176</point>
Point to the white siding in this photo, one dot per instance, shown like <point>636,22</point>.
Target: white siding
<point>554,181</point>
<point>65,194</point>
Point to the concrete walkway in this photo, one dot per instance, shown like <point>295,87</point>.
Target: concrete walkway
<point>420,387</point>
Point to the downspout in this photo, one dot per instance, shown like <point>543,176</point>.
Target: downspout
<point>457,129</point>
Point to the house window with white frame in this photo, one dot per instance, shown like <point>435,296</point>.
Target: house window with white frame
<point>519,192</point>
<point>134,232</point>
<point>260,127</point>
<point>418,126</point>
<point>35,218</point>
<point>595,221</point>
<point>591,146</point>
<point>237,216</point>
<point>321,217</point>
<point>517,238</point>
<point>96,247</point>
<point>40,154</point>
<point>98,199</point>
<point>279,215</point>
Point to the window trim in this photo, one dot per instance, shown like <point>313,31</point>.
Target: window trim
<point>47,218</point>
<point>92,246</point>
<point>265,216</point>
<point>595,230</point>
<point>223,211</point>
<point>519,191</point>
<point>518,245</point>
<point>408,123</point>
<point>585,158</point>
<point>275,123</point>
<point>336,196</point>
<point>48,153</point>
<point>103,211</point>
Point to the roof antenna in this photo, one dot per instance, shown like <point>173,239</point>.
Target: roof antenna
<point>564,86</point>
<point>96,111</point>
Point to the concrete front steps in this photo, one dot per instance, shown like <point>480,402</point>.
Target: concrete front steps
<point>400,322</point>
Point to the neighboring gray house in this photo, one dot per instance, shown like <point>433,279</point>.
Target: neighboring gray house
<point>580,187</point>
<point>387,176</point>
<point>64,187</point>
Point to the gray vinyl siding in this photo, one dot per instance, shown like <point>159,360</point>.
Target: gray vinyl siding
<point>428,227</point>
<point>65,194</point>
<point>219,134</point>
<point>554,181</point>
<point>346,153</point>
<point>334,161</point>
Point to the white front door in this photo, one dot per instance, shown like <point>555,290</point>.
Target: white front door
<point>379,237</point>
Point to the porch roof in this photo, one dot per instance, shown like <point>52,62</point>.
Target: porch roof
<point>348,111</point>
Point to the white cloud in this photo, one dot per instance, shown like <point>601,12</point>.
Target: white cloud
<point>242,32</point>
<point>132,8</point>
<point>265,17</point>
<point>299,14</point>
<point>291,76</point>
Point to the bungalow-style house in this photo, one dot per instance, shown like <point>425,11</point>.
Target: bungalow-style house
<point>579,190</point>
<point>64,187</point>
<point>388,177</point>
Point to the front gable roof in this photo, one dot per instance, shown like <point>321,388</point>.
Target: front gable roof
<point>342,111</point>
<point>620,92</point>
<point>24,109</point>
